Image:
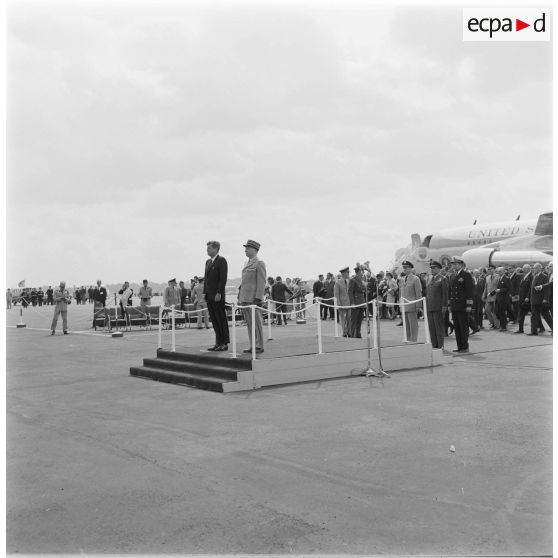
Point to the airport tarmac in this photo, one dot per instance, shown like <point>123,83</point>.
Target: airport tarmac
<point>101,462</point>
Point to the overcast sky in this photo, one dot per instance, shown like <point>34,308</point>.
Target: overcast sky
<point>138,132</point>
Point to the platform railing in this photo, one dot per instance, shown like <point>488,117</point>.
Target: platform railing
<point>318,303</point>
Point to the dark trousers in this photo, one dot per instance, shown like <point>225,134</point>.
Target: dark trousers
<point>538,311</point>
<point>478,312</point>
<point>436,328</point>
<point>325,309</point>
<point>281,309</point>
<point>461,325</point>
<point>218,317</point>
<point>356,322</point>
<point>447,323</point>
<point>522,312</point>
<point>502,311</point>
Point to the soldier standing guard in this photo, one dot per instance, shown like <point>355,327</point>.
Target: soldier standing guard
<point>461,303</point>
<point>437,304</point>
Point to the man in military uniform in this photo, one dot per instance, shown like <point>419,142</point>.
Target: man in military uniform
<point>61,298</point>
<point>461,303</point>
<point>254,278</point>
<point>411,289</point>
<point>436,304</point>
<point>341,293</point>
<point>356,291</point>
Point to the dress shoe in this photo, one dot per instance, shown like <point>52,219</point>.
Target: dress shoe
<point>503,329</point>
<point>52,332</point>
<point>259,350</point>
<point>519,331</point>
<point>247,351</point>
<point>464,350</point>
<point>65,333</point>
<point>214,348</point>
<point>222,348</point>
<point>456,350</point>
<point>535,334</point>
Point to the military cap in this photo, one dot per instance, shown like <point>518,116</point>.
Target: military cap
<point>455,259</point>
<point>171,280</point>
<point>344,270</point>
<point>435,264</point>
<point>407,263</point>
<point>252,244</point>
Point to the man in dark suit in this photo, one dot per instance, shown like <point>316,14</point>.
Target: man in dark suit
<point>100,300</point>
<point>461,303</point>
<point>479,283</point>
<point>502,295</point>
<point>539,305</point>
<point>216,270</point>
<point>524,294</point>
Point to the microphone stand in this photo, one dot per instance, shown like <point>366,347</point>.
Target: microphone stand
<point>381,373</point>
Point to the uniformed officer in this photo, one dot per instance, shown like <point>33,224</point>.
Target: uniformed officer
<point>436,304</point>
<point>502,296</point>
<point>356,291</point>
<point>461,303</point>
<point>411,290</point>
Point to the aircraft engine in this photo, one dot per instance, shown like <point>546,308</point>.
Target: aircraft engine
<point>482,257</point>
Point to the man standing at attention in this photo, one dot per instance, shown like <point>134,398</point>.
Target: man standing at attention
<point>61,297</point>
<point>411,289</point>
<point>216,270</point>
<point>356,291</point>
<point>252,291</point>
<point>341,293</point>
<point>461,303</point>
<point>145,294</point>
<point>436,304</point>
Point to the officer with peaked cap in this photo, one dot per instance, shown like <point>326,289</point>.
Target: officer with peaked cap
<point>411,289</point>
<point>254,279</point>
<point>461,303</point>
<point>436,303</point>
<point>341,294</point>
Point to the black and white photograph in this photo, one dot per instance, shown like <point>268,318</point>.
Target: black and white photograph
<point>279,278</point>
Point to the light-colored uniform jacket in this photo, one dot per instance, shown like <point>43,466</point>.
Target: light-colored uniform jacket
<point>491,285</point>
<point>411,289</point>
<point>253,281</point>
<point>172,296</point>
<point>60,299</point>
<point>340,292</point>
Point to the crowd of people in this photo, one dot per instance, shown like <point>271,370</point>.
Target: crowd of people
<point>458,301</point>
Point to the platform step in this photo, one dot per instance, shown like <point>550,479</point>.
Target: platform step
<point>221,370</point>
<point>192,380</point>
<point>242,363</point>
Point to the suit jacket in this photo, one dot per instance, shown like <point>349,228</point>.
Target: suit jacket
<point>341,293</point>
<point>329,287</point>
<point>504,284</point>
<point>461,291</point>
<point>215,278</point>
<point>525,287</point>
<point>254,280</point>
<point>437,293</point>
<point>99,295</point>
<point>278,291</point>
<point>61,299</point>
<point>478,289</point>
<point>318,288</point>
<point>515,281</point>
<point>356,290</point>
<point>411,289</point>
<point>538,296</point>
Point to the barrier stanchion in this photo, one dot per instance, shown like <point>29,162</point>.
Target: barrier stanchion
<point>375,322</point>
<point>335,316</point>
<point>159,334</point>
<point>253,310</point>
<point>403,320</point>
<point>173,329</point>
<point>116,333</point>
<point>21,324</point>
<point>269,319</point>
<point>319,322</point>
<point>426,327</point>
<point>234,330</point>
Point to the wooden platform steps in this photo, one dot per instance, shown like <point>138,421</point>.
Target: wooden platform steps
<point>203,370</point>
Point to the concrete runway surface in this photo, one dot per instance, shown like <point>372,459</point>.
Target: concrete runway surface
<point>100,462</point>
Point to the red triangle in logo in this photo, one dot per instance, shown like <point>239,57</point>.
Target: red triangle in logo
<point>519,25</point>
